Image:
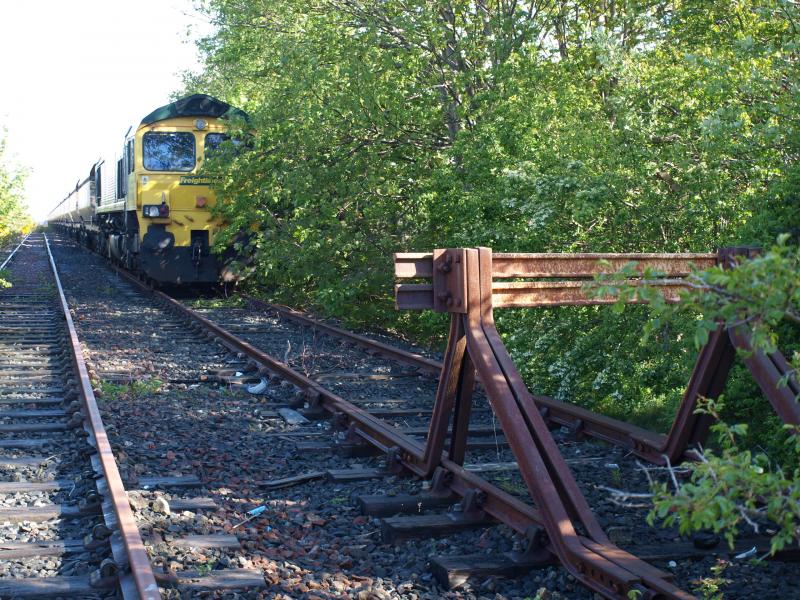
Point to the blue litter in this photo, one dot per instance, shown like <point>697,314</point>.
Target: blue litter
<point>252,514</point>
<point>257,511</point>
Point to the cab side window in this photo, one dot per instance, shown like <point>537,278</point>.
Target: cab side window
<point>213,141</point>
<point>130,156</point>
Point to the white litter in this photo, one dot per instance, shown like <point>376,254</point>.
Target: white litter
<point>746,554</point>
<point>259,388</point>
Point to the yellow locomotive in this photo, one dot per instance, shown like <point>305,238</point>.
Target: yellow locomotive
<point>148,208</point>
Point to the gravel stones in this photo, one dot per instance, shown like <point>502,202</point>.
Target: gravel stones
<point>160,505</point>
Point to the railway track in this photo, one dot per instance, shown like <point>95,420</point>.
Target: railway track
<point>608,476</point>
<point>67,527</point>
<point>316,460</point>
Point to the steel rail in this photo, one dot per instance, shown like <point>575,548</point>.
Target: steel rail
<point>139,563</point>
<point>13,252</point>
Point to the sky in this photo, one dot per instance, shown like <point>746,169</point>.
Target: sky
<point>74,76</point>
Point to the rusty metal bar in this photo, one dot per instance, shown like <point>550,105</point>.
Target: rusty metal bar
<point>413,265</point>
<point>532,294</point>
<point>587,265</point>
<point>768,371</point>
<point>413,296</point>
<point>140,567</point>
<point>419,265</point>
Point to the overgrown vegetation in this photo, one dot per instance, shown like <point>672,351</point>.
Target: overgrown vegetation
<point>14,218</point>
<point>569,125</point>
<point>735,488</point>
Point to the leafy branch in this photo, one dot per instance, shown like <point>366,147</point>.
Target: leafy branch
<point>733,488</point>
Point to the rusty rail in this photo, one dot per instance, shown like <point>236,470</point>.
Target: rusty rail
<point>138,562</point>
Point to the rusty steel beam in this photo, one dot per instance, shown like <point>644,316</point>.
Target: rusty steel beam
<point>419,265</point>
<point>533,294</point>
<point>769,371</point>
<point>587,265</point>
<point>413,265</point>
<point>140,568</point>
<point>413,296</point>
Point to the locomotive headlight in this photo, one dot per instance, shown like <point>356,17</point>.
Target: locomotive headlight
<point>155,210</point>
<point>200,124</point>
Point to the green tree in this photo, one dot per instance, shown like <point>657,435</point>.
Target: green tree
<point>14,218</point>
<point>13,209</point>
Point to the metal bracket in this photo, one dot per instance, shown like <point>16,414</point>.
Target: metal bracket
<point>440,482</point>
<point>450,280</point>
<point>535,551</point>
<point>471,507</point>
<point>394,461</point>
<point>576,429</point>
<point>730,256</point>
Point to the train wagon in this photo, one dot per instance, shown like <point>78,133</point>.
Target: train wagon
<point>148,208</point>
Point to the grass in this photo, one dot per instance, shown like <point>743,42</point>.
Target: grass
<point>132,390</point>
<point>206,568</point>
<point>710,587</point>
<point>233,301</point>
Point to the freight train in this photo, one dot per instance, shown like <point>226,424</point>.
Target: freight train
<point>148,208</point>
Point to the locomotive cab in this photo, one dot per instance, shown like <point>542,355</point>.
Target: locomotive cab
<point>149,208</point>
